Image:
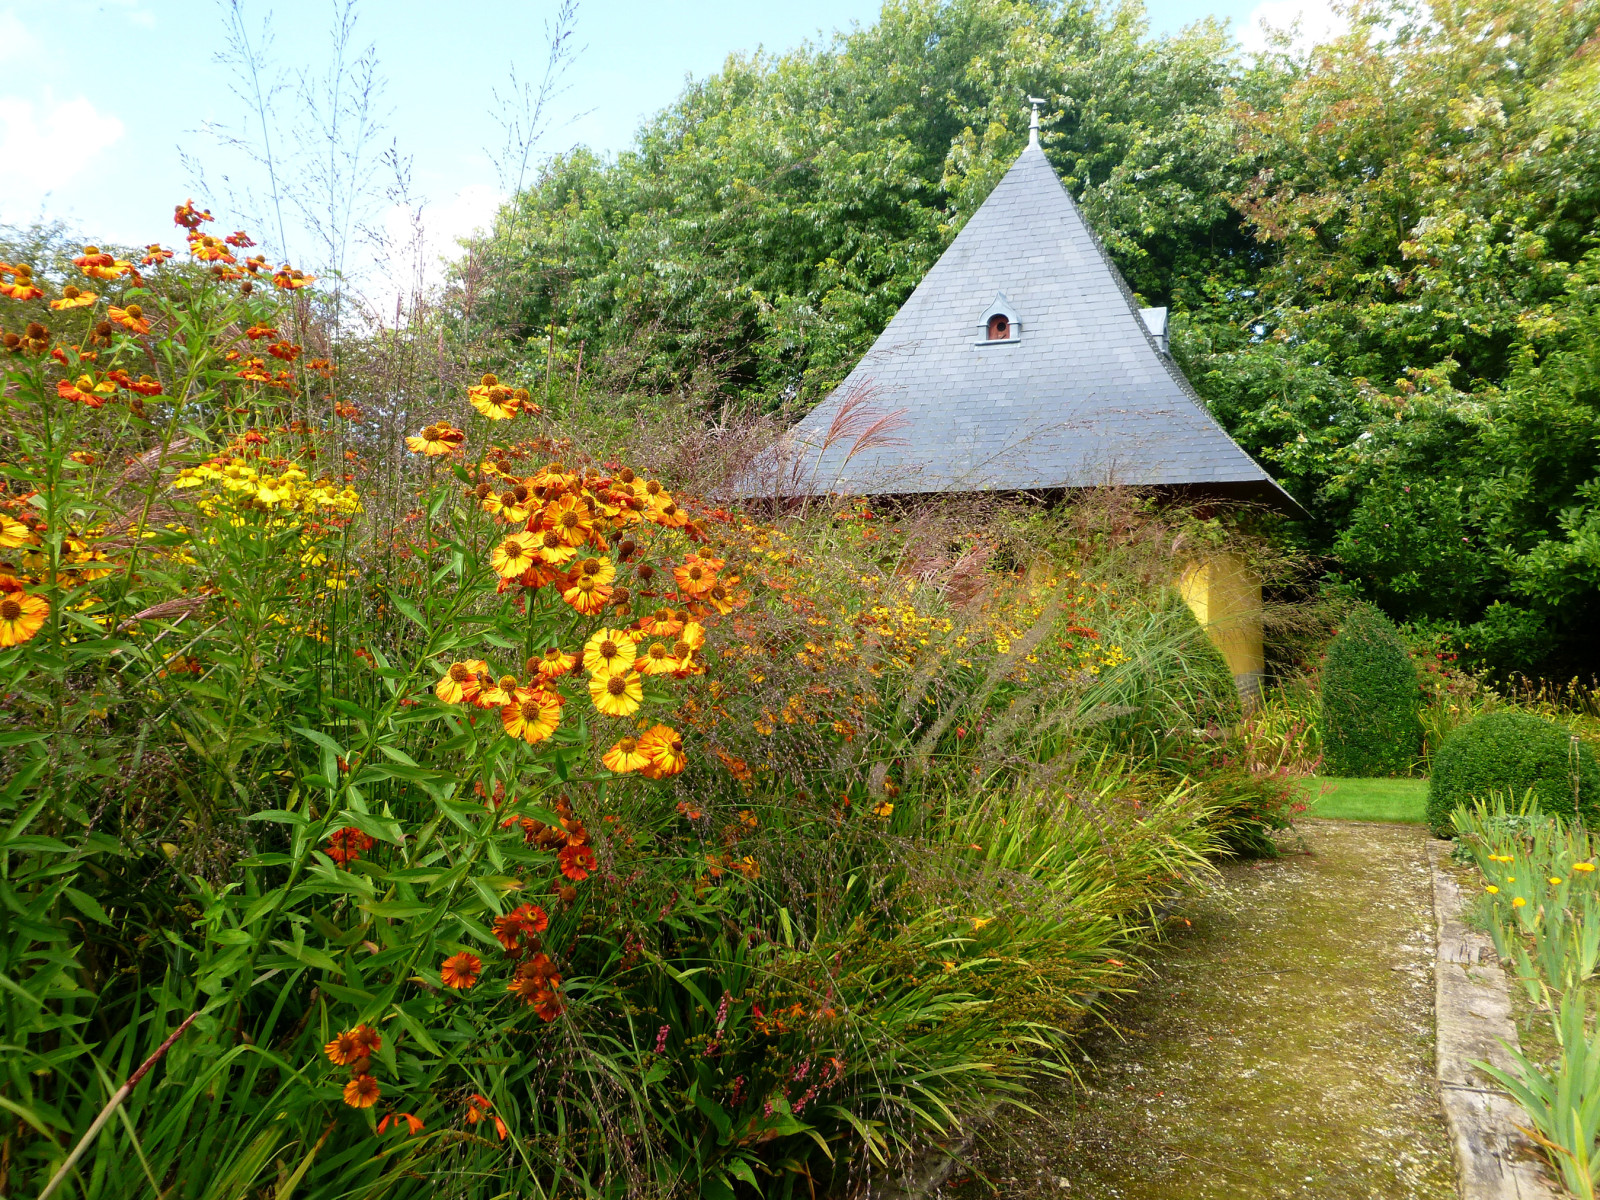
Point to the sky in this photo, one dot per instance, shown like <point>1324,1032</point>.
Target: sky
<point>110,110</point>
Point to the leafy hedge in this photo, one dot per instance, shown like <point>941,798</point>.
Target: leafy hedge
<point>1369,699</point>
<point>1512,752</point>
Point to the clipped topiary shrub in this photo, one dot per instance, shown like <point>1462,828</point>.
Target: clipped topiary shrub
<point>1510,752</point>
<point>1369,699</point>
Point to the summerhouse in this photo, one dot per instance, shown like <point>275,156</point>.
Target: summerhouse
<point>1023,363</point>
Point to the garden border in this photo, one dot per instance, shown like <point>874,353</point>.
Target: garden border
<point>1472,1022</point>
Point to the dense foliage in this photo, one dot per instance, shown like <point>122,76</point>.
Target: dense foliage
<point>1380,258</point>
<point>1370,699</point>
<point>469,807</point>
<point>1511,753</point>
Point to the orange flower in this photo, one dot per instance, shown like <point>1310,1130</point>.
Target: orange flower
<point>667,514</point>
<point>412,1124</point>
<point>240,239</point>
<point>289,279</point>
<point>146,386</point>
<point>188,216</point>
<point>460,971</point>
<point>552,664</point>
<point>478,1110</point>
<point>22,286</point>
<point>131,318</point>
<point>205,248</point>
<point>361,1091</point>
<point>569,519</point>
<point>587,595</point>
<point>154,255</point>
<point>694,578</point>
<point>497,693</point>
<point>662,623</point>
<point>436,440</point>
<point>71,297</point>
<point>345,1049</point>
<point>625,756</point>
<point>662,745</point>
<point>514,555</point>
<point>494,399</point>
<point>346,845</point>
<point>368,1037</point>
<point>552,549</point>
<point>21,616</point>
<point>460,682</point>
<point>257,332</point>
<point>658,660</point>
<point>84,391</point>
<point>536,981</point>
<point>517,930</point>
<point>533,719</point>
<point>576,862</point>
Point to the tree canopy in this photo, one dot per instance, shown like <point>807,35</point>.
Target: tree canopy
<point>1380,255</point>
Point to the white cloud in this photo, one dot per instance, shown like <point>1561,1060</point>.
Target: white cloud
<point>19,43</point>
<point>1307,21</point>
<point>46,144</point>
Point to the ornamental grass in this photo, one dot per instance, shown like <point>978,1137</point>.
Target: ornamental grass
<point>460,806</point>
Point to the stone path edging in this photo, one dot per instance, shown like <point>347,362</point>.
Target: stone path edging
<point>1473,1022</point>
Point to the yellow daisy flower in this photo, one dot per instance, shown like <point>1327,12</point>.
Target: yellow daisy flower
<point>617,695</point>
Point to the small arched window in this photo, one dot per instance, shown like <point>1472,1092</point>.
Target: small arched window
<point>999,328</point>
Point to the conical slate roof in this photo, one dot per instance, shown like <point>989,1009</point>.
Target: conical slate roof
<point>1079,395</point>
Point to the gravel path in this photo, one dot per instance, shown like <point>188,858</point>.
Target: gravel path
<point>1283,1048</point>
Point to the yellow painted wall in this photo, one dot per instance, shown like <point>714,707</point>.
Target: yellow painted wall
<point>1225,596</point>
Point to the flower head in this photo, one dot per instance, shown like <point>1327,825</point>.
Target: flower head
<point>533,719</point>
<point>625,756</point>
<point>460,682</point>
<point>494,399</point>
<point>552,549</point>
<point>21,616</point>
<point>569,519</point>
<point>664,748</point>
<point>617,695</point>
<point>552,664</point>
<point>609,652</point>
<point>514,555</point>
<point>346,845</point>
<point>131,318</point>
<point>413,1125</point>
<point>460,971</point>
<point>435,440</point>
<point>361,1092</point>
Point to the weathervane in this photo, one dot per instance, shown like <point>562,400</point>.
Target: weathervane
<point>1033,125</point>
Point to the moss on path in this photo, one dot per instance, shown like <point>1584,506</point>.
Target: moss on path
<point>1283,1048</point>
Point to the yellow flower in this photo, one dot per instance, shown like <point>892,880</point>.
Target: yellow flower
<point>552,664</point>
<point>1555,879</point>
<point>625,756</point>
<point>617,695</point>
<point>21,616</point>
<point>1585,867</point>
<point>436,440</point>
<point>12,533</point>
<point>587,595</point>
<point>662,745</point>
<point>514,555</point>
<point>1491,889</point>
<point>884,809</point>
<point>494,399</point>
<point>1519,902</point>
<point>658,660</point>
<point>71,297</point>
<point>609,652</point>
<point>460,682</point>
<point>533,719</point>
<point>552,549</point>
<point>569,520</point>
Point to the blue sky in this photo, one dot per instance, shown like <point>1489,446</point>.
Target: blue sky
<point>102,99</point>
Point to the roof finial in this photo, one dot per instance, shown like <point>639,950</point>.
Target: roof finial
<point>1033,125</point>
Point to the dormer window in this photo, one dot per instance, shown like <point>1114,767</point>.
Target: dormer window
<point>1000,324</point>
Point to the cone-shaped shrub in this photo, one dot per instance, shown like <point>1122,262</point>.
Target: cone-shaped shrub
<point>1510,752</point>
<point>1369,699</point>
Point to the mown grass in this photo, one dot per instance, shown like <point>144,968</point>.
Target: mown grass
<point>1399,800</point>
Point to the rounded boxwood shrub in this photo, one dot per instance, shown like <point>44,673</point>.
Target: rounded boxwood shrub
<point>1509,752</point>
<point>1369,699</point>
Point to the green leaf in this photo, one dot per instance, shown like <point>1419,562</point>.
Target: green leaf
<point>87,905</point>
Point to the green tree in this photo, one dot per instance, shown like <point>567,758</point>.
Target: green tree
<point>1369,699</point>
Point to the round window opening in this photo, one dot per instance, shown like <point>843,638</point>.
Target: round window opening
<point>999,327</point>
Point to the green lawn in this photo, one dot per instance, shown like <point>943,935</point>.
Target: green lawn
<point>1367,799</point>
